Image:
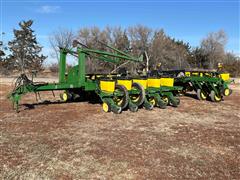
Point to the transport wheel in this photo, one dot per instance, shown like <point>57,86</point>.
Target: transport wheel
<point>65,96</point>
<point>106,107</point>
<point>121,101</point>
<point>137,99</point>
<point>214,97</point>
<point>201,94</point>
<point>227,92</point>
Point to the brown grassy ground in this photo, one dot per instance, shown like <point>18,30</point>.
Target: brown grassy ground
<point>79,141</point>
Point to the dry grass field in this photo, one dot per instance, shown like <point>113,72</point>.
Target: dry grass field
<point>55,140</point>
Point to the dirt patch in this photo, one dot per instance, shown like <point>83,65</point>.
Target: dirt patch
<point>199,139</point>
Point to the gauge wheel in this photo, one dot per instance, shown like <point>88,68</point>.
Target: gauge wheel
<point>121,101</point>
<point>66,96</point>
<point>137,99</point>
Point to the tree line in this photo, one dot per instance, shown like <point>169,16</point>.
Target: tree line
<point>156,46</point>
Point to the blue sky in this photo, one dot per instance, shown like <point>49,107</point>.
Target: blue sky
<point>184,19</point>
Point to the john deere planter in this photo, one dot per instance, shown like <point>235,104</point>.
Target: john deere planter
<point>77,84</point>
<point>206,84</point>
<point>117,92</point>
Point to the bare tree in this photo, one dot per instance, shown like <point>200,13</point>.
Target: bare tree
<point>120,39</point>
<point>169,52</point>
<point>111,36</point>
<point>232,64</point>
<point>141,39</point>
<point>214,46</point>
<point>61,38</point>
<point>157,47</point>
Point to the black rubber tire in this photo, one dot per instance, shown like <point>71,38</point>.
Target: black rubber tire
<point>230,92</point>
<point>166,100</point>
<point>125,100</point>
<point>175,102</point>
<point>200,96</point>
<point>214,97</point>
<point>187,88</point>
<point>69,96</point>
<point>147,105</point>
<point>161,104</point>
<point>133,108</point>
<point>150,107</point>
<point>178,101</point>
<point>117,111</point>
<point>141,99</point>
<point>152,100</point>
<point>109,106</point>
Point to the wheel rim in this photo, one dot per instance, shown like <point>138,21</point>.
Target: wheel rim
<point>203,95</point>
<point>105,107</point>
<point>65,96</point>
<point>217,98</point>
<point>152,101</point>
<point>118,101</point>
<point>121,100</point>
<point>137,98</point>
<point>165,99</point>
<point>226,92</point>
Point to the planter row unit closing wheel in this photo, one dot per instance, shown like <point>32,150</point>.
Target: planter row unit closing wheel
<point>121,101</point>
<point>201,94</point>
<point>215,97</point>
<point>158,102</point>
<point>172,101</point>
